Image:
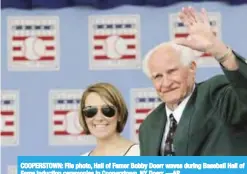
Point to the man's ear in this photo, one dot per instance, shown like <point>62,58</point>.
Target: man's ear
<point>193,67</point>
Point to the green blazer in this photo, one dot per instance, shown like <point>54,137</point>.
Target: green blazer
<point>214,121</point>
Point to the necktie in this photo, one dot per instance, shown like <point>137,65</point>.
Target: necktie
<point>169,149</point>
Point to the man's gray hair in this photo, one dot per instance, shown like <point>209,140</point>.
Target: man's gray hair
<point>187,55</point>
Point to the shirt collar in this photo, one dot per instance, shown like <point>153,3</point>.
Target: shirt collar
<point>177,113</point>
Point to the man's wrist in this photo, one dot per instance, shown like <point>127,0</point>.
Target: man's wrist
<point>218,49</point>
<point>222,58</point>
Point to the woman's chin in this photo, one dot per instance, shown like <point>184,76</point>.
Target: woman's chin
<point>101,135</point>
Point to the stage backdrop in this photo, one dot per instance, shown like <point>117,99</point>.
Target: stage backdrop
<point>50,56</point>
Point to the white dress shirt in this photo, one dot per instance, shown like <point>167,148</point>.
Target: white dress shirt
<point>177,113</point>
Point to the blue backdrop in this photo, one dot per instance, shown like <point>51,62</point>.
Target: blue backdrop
<point>74,73</point>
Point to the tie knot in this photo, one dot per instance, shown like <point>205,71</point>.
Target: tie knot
<point>172,119</point>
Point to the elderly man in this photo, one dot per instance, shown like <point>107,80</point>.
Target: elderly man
<point>208,118</point>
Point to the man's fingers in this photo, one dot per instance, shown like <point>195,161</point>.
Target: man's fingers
<point>192,13</point>
<point>204,15</point>
<point>196,15</point>
<point>184,20</point>
<point>189,15</point>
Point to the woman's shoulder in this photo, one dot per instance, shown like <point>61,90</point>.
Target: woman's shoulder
<point>85,154</point>
<point>134,150</point>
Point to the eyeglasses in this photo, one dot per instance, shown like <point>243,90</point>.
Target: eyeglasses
<point>91,111</point>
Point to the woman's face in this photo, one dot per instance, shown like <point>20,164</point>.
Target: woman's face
<point>101,116</point>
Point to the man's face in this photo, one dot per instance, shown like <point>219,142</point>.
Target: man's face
<point>172,80</point>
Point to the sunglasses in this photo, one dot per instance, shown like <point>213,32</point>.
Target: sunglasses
<point>91,111</point>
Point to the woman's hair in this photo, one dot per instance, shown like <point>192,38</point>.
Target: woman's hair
<point>108,93</point>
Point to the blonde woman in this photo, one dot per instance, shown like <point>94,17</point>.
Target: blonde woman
<point>104,115</point>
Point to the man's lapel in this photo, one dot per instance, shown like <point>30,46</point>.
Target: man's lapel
<point>181,138</point>
<point>158,127</point>
<point>183,132</point>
